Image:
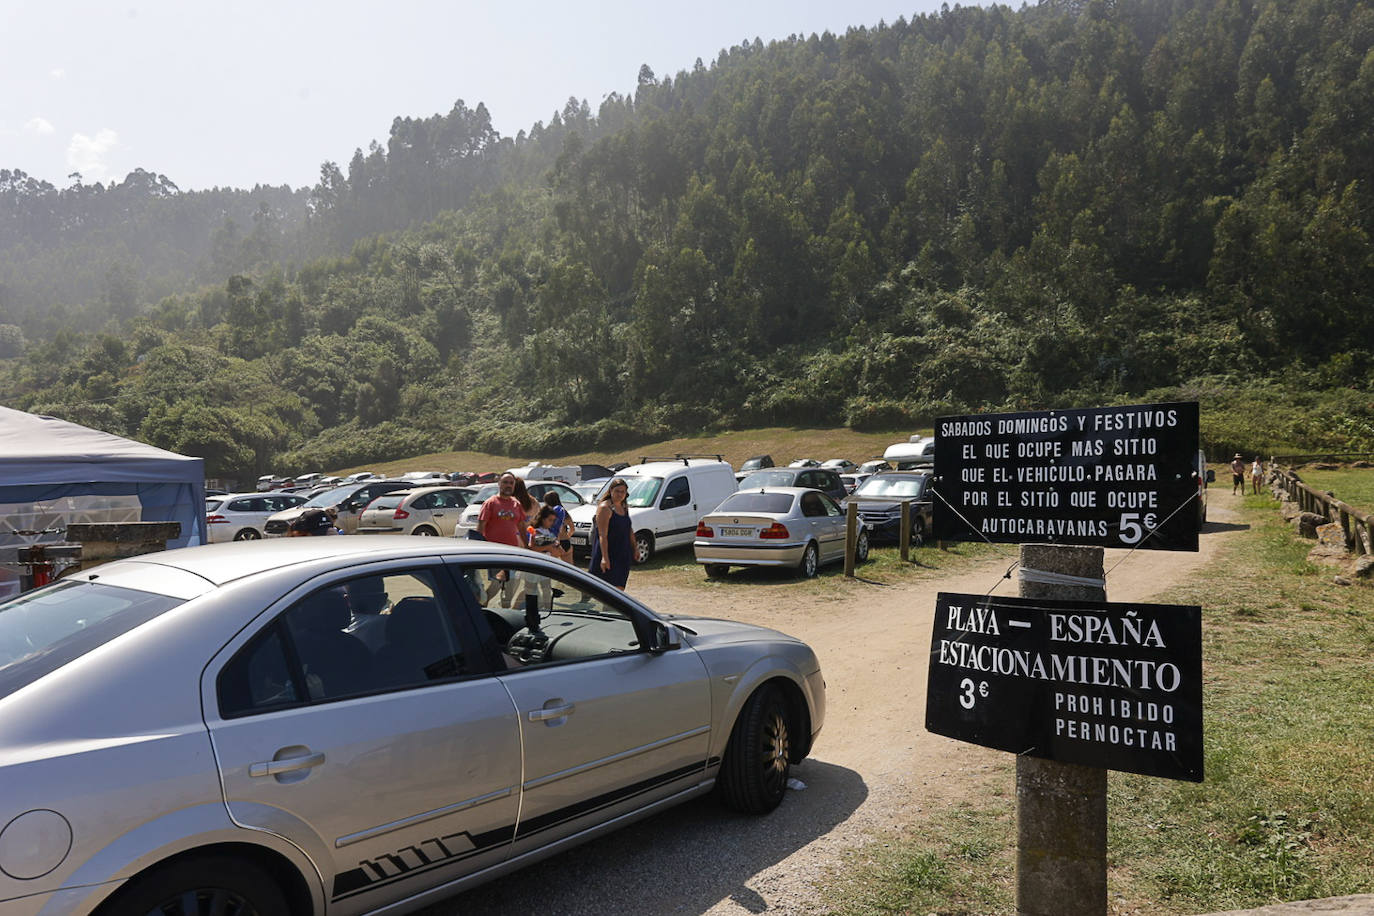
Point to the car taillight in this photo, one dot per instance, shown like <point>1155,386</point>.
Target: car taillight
<point>774,531</point>
<point>704,530</point>
<point>216,520</point>
<point>400,514</point>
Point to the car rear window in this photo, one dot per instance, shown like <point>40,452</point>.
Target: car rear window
<point>778,478</point>
<point>212,506</point>
<point>42,630</point>
<point>389,501</point>
<point>773,503</point>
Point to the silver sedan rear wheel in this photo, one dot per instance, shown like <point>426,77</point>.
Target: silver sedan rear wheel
<point>811,560</point>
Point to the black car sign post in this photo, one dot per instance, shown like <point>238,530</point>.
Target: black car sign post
<point>1104,476</point>
<point>1117,686</point>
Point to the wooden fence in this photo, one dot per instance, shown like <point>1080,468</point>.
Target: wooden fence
<point>1357,524</point>
<point>1293,460</point>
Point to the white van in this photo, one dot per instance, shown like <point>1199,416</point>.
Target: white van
<point>915,454</point>
<point>667,499</point>
<point>535,471</point>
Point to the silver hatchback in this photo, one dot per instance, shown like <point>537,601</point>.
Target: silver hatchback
<point>346,725</point>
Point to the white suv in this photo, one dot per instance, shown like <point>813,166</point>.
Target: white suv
<point>667,498</point>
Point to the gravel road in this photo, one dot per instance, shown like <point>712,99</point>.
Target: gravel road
<point>873,767</point>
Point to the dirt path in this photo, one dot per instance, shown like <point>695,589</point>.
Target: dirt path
<point>874,766</point>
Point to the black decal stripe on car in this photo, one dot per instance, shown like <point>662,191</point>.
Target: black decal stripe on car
<point>454,847</point>
<point>437,853</point>
<point>554,818</point>
<point>672,531</point>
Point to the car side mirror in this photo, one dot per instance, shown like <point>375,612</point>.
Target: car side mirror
<point>666,637</point>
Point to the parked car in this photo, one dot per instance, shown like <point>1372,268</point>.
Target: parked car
<point>805,463</point>
<point>358,476</point>
<point>208,730</point>
<point>756,463</point>
<point>241,516</point>
<point>425,511</point>
<point>1204,476</point>
<point>569,474</point>
<point>344,503</point>
<point>777,526</point>
<point>467,521</point>
<point>595,471</point>
<point>880,504</point>
<point>840,465</point>
<point>666,500</point>
<point>874,466</point>
<point>852,481</point>
<point>589,490</point>
<point>823,479</point>
<point>919,452</point>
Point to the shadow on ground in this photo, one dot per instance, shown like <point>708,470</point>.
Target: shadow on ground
<point>684,860</point>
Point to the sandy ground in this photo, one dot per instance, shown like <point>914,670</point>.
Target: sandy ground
<point>873,769</point>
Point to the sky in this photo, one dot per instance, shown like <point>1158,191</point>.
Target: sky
<point>234,94</point>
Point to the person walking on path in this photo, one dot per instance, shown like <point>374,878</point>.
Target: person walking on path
<point>1256,475</point>
<point>613,539</point>
<point>502,521</point>
<point>1237,475</point>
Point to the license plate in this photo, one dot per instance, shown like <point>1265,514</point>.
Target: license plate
<point>579,539</point>
<point>737,532</point>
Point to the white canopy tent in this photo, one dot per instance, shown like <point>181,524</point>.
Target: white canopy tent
<point>53,473</point>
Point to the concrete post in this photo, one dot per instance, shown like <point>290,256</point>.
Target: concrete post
<point>1061,808</point>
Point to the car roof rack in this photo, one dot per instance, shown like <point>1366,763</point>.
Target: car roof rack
<point>685,459</point>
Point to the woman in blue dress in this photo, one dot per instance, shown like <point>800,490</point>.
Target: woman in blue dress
<point>613,543</point>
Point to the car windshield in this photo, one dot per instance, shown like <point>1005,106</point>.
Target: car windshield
<point>643,491</point>
<point>891,486</point>
<point>772,503</point>
<point>486,493</point>
<point>331,497</point>
<point>45,629</point>
<point>778,478</point>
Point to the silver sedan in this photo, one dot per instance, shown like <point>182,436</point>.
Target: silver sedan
<point>346,725</point>
<point>774,526</point>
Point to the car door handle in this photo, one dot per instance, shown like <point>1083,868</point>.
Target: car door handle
<point>553,712</point>
<point>289,765</point>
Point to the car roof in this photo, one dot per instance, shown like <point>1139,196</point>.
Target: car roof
<point>416,491</point>
<point>659,468</point>
<point>790,491</point>
<point>217,565</point>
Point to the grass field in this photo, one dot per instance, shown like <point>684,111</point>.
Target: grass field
<point>1354,486</point>
<point>783,443</point>
<point>1287,808</point>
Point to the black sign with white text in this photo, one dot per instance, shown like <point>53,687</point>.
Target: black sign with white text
<point>1101,476</point>
<point>1102,684</point>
